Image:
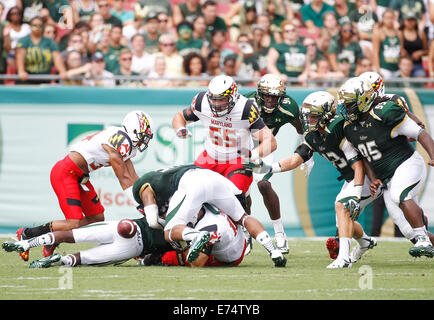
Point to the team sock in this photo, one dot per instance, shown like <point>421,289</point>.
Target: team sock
<point>45,239</point>
<point>278,226</point>
<point>264,240</point>
<point>344,249</point>
<point>29,233</point>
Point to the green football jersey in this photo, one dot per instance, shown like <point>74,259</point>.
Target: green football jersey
<point>287,112</point>
<point>163,182</point>
<point>373,139</point>
<point>153,239</point>
<point>329,146</point>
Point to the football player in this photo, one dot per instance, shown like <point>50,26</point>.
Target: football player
<point>323,133</point>
<point>176,195</point>
<point>113,146</point>
<point>379,131</point>
<point>277,109</point>
<point>114,248</point>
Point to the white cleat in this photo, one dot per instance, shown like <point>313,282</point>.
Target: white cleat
<point>281,242</point>
<point>358,250</point>
<point>249,241</point>
<point>339,263</point>
<point>278,258</point>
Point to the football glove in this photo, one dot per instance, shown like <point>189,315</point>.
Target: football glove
<point>183,133</point>
<point>307,166</point>
<point>258,166</point>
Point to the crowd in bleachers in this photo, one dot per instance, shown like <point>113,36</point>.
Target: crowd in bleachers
<point>162,43</point>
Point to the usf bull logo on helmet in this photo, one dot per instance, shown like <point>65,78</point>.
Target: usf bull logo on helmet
<point>355,97</point>
<point>271,92</point>
<point>317,110</point>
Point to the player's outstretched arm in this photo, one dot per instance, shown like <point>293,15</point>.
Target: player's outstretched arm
<point>126,179</point>
<point>267,142</point>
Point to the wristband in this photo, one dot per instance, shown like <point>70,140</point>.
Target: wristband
<point>275,167</point>
<point>151,213</point>
<point>254,155</point>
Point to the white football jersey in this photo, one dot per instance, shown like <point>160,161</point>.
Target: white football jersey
<point>232,241</point>
<point>227,134</point>
<point>92,151</point>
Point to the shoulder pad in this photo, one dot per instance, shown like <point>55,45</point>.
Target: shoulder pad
<point>122,143</point>
<point>197,101</point>
<point>251,111</point>
<point>389,112</point>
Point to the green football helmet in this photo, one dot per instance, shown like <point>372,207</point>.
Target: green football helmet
<point>271,92</point>
<point>317,110</point>
<point>355,97</point>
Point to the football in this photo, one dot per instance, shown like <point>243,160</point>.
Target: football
<point>127,228</point>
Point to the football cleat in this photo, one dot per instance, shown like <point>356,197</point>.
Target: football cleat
<point>25,254</point>
<point>423,247</point>
<point>278,258</point>
<point>339,263</point>
<point>45,262</point>
<point>332,246</point>
<point>281,242</point>
<point>48,250</point>
<point>358,250</point>
<point>197,244</point>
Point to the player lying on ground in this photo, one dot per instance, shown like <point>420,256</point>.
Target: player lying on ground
<point>379,131</point>
<point>114,147</point>
<point>323,131</point>
<point>122,240</point>
<point>178,193</point>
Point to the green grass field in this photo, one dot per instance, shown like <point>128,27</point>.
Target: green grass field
<point>386,272</point>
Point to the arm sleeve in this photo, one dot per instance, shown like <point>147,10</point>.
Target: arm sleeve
<point>407,127</point>
<point>304,151</point>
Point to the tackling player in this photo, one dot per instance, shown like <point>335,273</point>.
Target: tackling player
<point>175,196</point>
<point>113,146</point>
<point>277,109</point>
<point>323,132</point>
<point>379,131</point>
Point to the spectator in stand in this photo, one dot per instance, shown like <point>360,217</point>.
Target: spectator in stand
<point>142,61</point>
<point>83,9</point>
<point>212,21</point>
<point>73,65</point>
<point>382,5</point>
<point>110,54</point>
<point>2,50</point>
<point>164,24</point>
<point>345,48</point>
<point>151,32</point>
<point>386,47</point>
<point>230,65</point>
<point>218,41</point>
<point>96,26</point>
<point>248,61</point>
<point>364,20</point>
<point>313,55</point>
<point>406,67</point>
<point>147,6</point>
<point>346,67</point>
<point>342,9</point>
<point>36,55</point>
<point>14,30</point>
<point>406,6</point>
<point>31,9</point>
<point>414,42</point>
<point>186,42</point>
<point>331,25</point>
<point>270,37</point>
<point>173,59</point>
<point>213,63</point>
<point>274,11</point>
<point>76,43</point>
<point>288,58</point>
<point>103,78</point>
<point>186,11</point>
<point>258,33</point>
<point>364,65</point>
<point>312,15</point>
<point>323,71</point>
<point>109,19</point>
<point>158,77</point>
<point>117,41</point>
<point>50,31</point>
<point>137,26</point>
<point>194,65</point>
<point>118,10</point>
<point>125,62</point>
<point>431,61</point>
<point>58,12</point>
<point>199,29</point>
<point>243,22</point>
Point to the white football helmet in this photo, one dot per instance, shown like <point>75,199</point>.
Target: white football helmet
<point>317,110</point>
<point>271,92</point>
<point>138,125</point>
<point>355,97</point>
<point>222,95</point>
<point>375,80</point>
